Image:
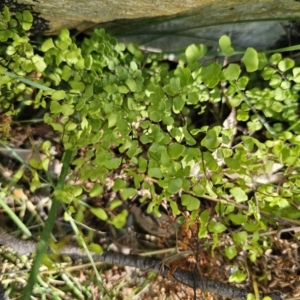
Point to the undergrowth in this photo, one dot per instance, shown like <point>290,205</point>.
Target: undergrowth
<point>215,143</point>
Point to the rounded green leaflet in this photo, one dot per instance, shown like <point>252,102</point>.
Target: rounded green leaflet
<point>238,277</point>
<point>112,163</point>
<point>191,203</point>
<point>232,72</point>
<point>188,137</point>
<point>120,219</point>
<point>131,83</point>
<point>225,45</point>
<point>48,44</point>
<point>230,252</point>
<point>216,227</point>
<point>199,190</point>
<point>27,16</point>
<point>58,95</point>
<point>211,140</point>
<point>184,75</point>
<point>210,74</point>
<point>118,184</point>
<point>240,237</point>
<point>204,217</point>
<point>238,218</point>
<point>174,185</point>
<point>176,150</point>
<point>275,58</point>
<point>193,53</point>
<point>286,64</point>
<point>167,120</point>
<point>262,60</point>
<point>178,104</point>
<point>99,212</point>
<point>174,208</point>
<point>251,60</point>
<point>175,84</point>
<point>238,194</point>
<point>96,190</point>
<point>39,63</point>
<point>128,193</point>
<point>6,14</point>
<point>155,173</point>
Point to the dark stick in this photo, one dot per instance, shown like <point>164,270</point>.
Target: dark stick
<point>144,263</point>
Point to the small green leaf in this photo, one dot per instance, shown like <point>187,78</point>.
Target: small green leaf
<point>58,95</point>
<point>251,296</point>
<point>238,219</point>
<point>112,120</point>
<point>238,194</point>
<point>193,98</point>
<point>2,70</point>
<point>100,213</point>
<point>176,150</point>
<point>155,173</point>
<point>232,72</point>
<point>250,59</point>
<point>66,73</point>
<point>268,72</point>
<point>119,220</point>
<point>225,45</point>
<point>204,217</point>
<point>210,74</point>
<point>131,83</point>
<point>77,86</point>
<point>286,64</point>
<point>115,203</point>
<point>178,104</point>
<point>48,44</point>
<point>6,14</point>
<point>112,164</point>
<point>118,184</point>
<point>72,56</point>
<point>230,252</point>
<point>95,248</point>
<point>199,190</point>
<point>70,126</point>
<point>128,193</point>
<point>174,185</point>
<point>167,120</point>
<point>262,60</point>
<point>238,277</point>
<point>194,53</point>
<point>27,20</point>
<point>216,227</point>
<point>240,237</point>
<point>96,190</point>
<point>39,63</point>
<point>55,107</point>
<point>111,88</point>
<point>88,61</point>
<point>190,202</point>
<point>211,140</point>
<point>27,16</point>
<point>175,84</point>
<point>174,208</point>
<point>275,58</point>
<point>66,109</point>
<point>189,139</point>
<point>210,161</point>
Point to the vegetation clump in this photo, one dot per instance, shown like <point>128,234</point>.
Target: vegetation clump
<point>214,146</point>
